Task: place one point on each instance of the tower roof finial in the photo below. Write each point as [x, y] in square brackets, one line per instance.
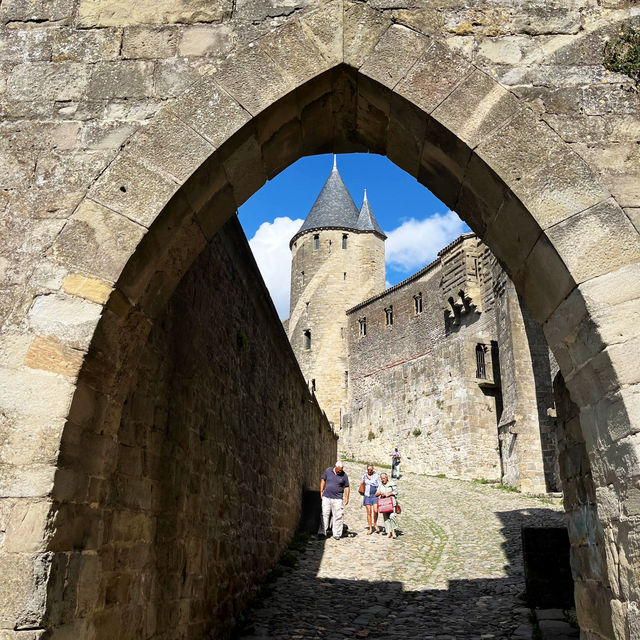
[335, 162]
[365, 194]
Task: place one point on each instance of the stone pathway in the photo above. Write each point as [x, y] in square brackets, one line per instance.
[454, 572]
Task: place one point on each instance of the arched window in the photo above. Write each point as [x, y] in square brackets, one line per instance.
[388, 316]
[481, 371]
[362, 327]
[307, 339]
[344, 240]
[417, 303]
[316, 241]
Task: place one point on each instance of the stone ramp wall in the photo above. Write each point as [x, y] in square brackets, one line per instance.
[218, 437]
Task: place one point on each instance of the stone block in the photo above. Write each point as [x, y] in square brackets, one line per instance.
[593, 607]
[85, 46]
[610, 241]
[434, 76]
[543, 281]
[243, 165]
[253, 78]
[37, 11]
[150, 42]
[16, 170]
[121, 79]
[206, 40]
[208, 109]
[70, 319]
[373, 105]
[26, 530]
[405, 135]
[97, 242]
[23, 589]
[87, 288]
[325, 28]
[49, 354]
[363, 28]
[131, 189]
[61, 81]
[443, 168]
[106, 135]
[170, 147]
[95, 13]
[512, 234]
[394, 55]
[25, 46]
[477, 107]
[295, 53]
[552, 182]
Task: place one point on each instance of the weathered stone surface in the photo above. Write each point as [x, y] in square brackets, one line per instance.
[52, 355]
[363, 27]
[610, 241]
[67, 318]
[90, 45]
[107, 240]
[122, 79]
[97, 13]
[150, 42]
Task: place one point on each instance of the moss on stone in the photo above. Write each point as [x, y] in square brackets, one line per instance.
[623, 54]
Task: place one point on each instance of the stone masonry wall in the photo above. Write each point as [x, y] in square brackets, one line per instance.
[218, 437]
[413, 385]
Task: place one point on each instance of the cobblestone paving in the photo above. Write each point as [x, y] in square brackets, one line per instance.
[454, 572]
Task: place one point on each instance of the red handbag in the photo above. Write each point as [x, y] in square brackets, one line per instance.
[385, 505]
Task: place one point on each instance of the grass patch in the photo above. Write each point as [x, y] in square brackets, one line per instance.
[416, 432]
[622, 55]
[371, 436]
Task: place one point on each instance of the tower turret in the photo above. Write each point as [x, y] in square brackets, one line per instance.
[337, 261]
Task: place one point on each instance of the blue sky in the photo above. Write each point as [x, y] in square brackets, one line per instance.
[416, 222]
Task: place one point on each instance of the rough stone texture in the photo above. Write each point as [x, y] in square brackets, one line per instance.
[71, 98]
[200, 478]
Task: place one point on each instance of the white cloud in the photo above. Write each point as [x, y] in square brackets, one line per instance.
[415, 243]
[270, 246]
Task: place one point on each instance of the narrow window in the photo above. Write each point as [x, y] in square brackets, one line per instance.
[342, 333]
[481, 371]
[306, 307]
[346, 379]
[344, 241]
[313, 385]
[316, 241]
[417, 303]
[302, 275]
[388, 316]
[344, 275]
[307, 339]
[362, 327]
[329, 246]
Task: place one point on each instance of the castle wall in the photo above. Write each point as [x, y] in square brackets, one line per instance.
[526, 430]
[334, 280]
[202, 489]
[414, 385]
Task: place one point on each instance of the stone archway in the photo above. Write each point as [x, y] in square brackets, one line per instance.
[570, 249]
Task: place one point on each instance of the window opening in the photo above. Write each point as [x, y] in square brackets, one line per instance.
[302, 275]
[481, 370]
[313, 385]
[307, 339]
[417, 303]
[344, 275]
[362, 327]
[344, 241]
[346, 379]
[306, 306]
[388, 316]
[316, 241]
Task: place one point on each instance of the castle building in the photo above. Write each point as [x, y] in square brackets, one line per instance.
[447, 364]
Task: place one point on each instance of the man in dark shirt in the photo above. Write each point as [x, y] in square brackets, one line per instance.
[334, 491]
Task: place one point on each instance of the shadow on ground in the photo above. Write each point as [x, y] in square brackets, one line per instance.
[300, 605]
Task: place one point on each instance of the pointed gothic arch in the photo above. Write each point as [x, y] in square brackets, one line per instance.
[569, 248]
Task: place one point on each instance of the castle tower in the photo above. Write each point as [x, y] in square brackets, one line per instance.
[337, 262]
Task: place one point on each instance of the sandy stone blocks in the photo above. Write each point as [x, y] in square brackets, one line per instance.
[70, 319]
[208, 109]
[434, 76]
[550, 181]
[363, 27]
[206, 40]
[394, 55]
[150, 42]
[97, 242]
[60, 81]
[610, 241]
[324, 26]
[476, 108]
[405, 135]
[37, 10]
[253, 78]
[121, 79]
[91, 45]
[52, 355]
[97, 13]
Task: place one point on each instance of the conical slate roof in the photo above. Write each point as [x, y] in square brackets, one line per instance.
[334, 207]
[366, 220]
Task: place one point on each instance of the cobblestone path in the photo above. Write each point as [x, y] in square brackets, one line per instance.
[454, 572]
